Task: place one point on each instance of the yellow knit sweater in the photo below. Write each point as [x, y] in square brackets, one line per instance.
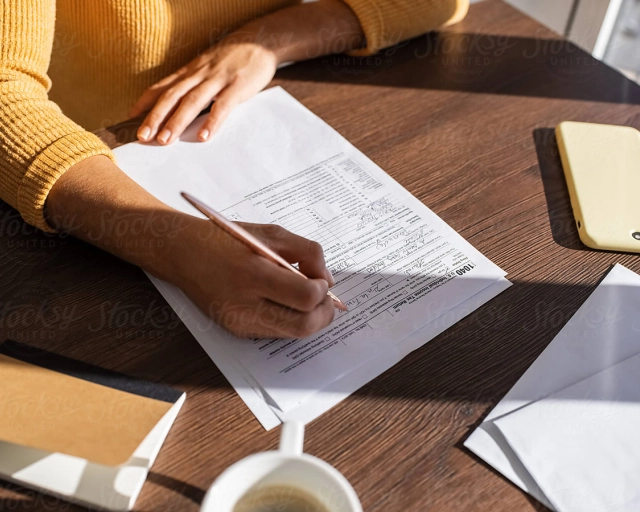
[69, 66]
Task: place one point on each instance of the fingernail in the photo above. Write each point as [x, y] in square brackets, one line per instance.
[164, 136]
[144, 133]
[204, 135]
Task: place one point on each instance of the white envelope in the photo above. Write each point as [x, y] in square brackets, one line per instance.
[581, 445]
[605, 331]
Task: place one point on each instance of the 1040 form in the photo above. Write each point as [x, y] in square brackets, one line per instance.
[402, 271]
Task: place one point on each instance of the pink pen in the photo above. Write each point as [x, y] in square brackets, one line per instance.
[247, 238]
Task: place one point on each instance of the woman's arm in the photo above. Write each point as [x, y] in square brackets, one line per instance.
[242, 64]
[47, 160]
[245, 293]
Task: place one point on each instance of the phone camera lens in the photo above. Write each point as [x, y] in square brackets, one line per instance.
[636, 235]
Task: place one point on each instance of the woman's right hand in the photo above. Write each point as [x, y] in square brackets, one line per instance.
[247, 294]
[244, 292]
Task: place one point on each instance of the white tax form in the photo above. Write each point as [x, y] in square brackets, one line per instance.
[396, 264]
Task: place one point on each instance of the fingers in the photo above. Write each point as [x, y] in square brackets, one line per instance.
[165, 104]
[175, 106]
[288, 289]
[295, 249]
[190, 106]
[250, 295]
[266, 319]
[222, 107]
[229, 73]
[149, 98]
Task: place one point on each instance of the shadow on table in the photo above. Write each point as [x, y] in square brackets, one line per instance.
[72, 298]
[478, 63]
[191, 492]
[561, 219]
[463, 62]
[114, 317]
[29, 499]
[472, 365]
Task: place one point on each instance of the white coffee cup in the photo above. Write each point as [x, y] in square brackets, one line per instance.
[286, 467]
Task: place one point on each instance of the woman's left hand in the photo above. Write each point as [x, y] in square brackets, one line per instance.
[229, 73]
[242, 64]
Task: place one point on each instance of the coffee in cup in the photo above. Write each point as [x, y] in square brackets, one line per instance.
[285, 480]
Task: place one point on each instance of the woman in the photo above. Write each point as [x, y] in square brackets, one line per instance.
[111, 59]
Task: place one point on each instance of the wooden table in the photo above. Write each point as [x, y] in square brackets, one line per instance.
[463, 120]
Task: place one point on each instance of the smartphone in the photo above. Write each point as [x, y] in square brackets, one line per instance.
[602, 167]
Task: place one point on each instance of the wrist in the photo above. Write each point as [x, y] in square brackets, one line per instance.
[96, 202]
[182, 243]
[256, 34]
[304, 31]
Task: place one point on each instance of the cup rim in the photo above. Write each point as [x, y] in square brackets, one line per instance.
[346, 486]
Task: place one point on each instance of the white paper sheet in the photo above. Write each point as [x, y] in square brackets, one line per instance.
[397, 265]
[325, 399]
[206, 332]
[603, 332]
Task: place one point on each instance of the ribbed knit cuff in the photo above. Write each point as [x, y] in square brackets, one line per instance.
[47, 168]
[386, 23]
[371, 20]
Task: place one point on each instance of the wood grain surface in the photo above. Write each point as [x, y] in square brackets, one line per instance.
[463, 119]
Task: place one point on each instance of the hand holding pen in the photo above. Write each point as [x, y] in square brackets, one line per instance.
[294, 305]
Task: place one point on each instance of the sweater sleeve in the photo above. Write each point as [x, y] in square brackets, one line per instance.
[37, 142]
[388, 22]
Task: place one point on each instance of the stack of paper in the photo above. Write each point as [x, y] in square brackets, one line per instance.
[404, 273]
[567, 432]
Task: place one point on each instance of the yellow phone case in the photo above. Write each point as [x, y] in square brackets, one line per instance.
[602, 167]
